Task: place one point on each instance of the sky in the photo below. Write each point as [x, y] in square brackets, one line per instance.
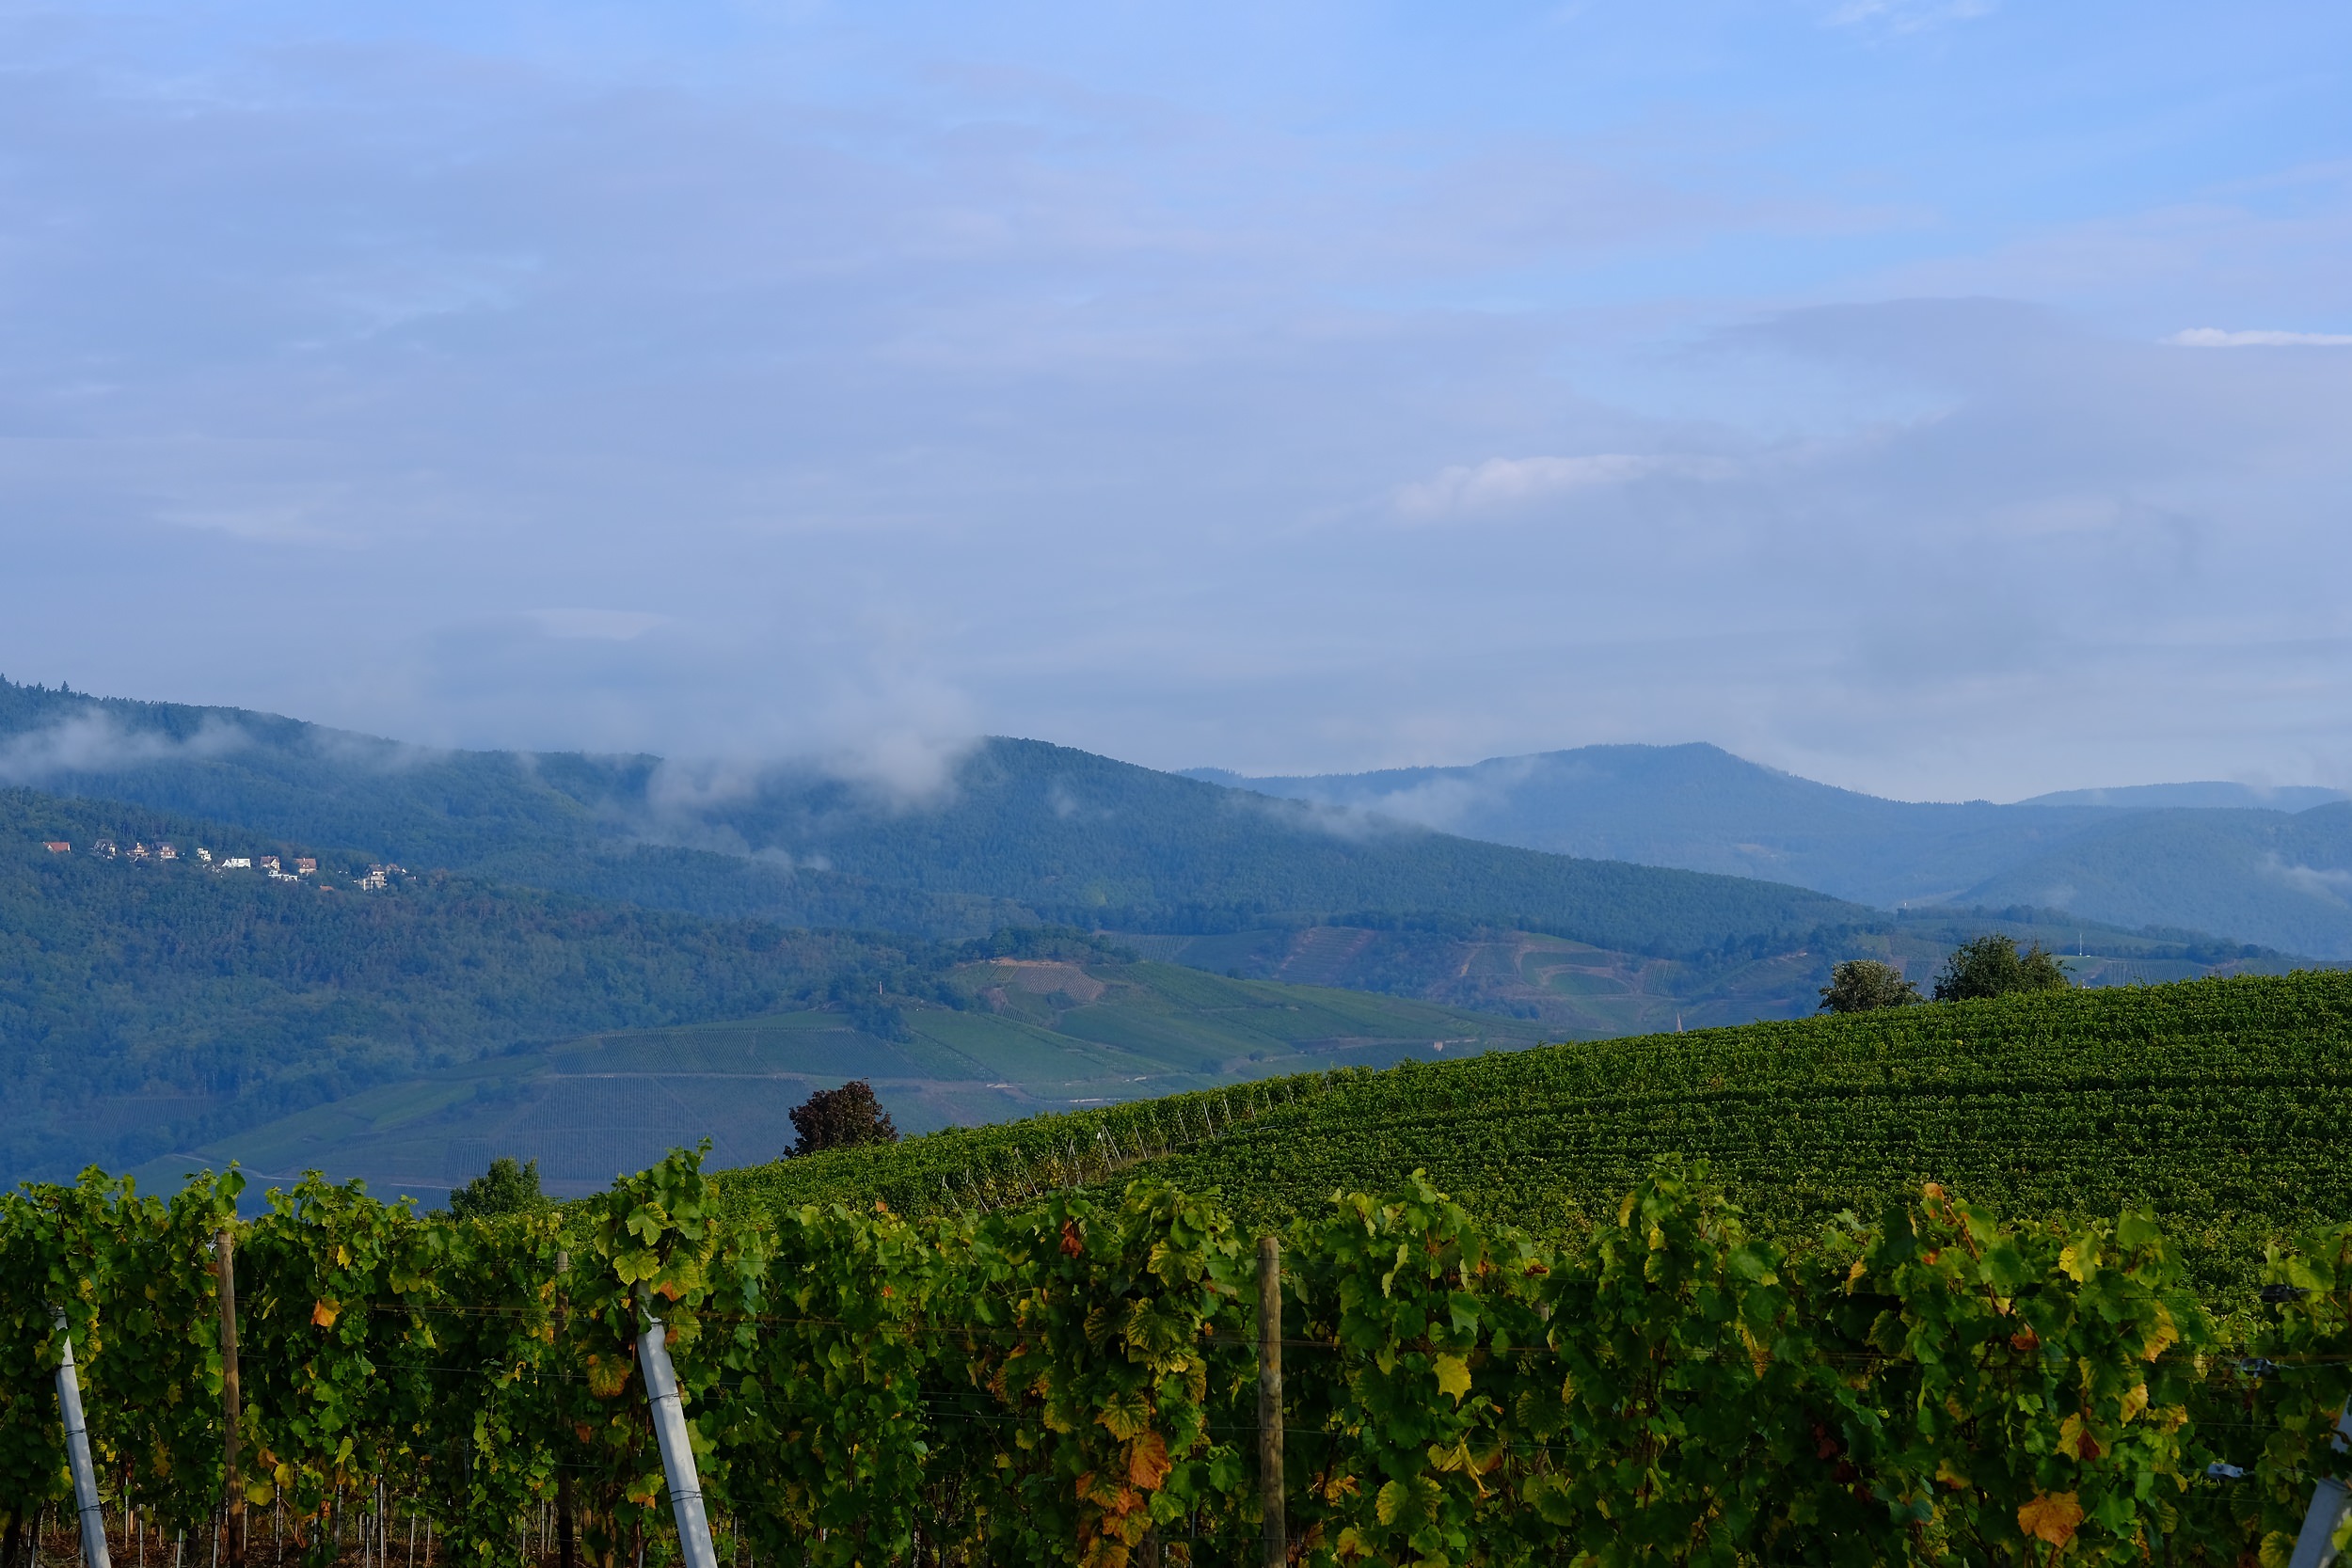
[1948, 399]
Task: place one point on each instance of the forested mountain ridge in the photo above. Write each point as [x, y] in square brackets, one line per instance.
[1700, 807]
[2269, 867]
[558, 821]
[1024, 830]
[146, 1005]
[151, 1006]
[2283, 876]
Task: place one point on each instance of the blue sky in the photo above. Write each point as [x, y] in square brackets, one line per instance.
[1942, 399]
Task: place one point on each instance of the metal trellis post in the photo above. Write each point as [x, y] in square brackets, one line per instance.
[93, 1512]
[678, 1451]
[2315, 1542]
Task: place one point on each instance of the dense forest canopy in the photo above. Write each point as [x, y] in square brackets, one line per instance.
[1021, 830]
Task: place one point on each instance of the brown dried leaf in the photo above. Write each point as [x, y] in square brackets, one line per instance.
[2053, 1519]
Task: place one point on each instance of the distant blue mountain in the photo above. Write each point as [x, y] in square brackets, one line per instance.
[2216, 794]
[1021, 831]
[2268, 866]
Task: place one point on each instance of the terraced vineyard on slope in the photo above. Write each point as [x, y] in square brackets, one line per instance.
[2221, 1105]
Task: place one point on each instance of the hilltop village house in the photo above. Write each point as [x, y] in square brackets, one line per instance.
[304, 865]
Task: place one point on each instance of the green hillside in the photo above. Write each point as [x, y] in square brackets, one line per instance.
[2268, 876]
[999, 1039]
[1083, 838]
[1699, 807]
[1023, 831]
[152, 1007]
[2264, 867]
[147, 1005]
[1581, 990]
[2219, 1104]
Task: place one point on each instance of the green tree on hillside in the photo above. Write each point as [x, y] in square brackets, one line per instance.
[1992, 966]
[1864, 985]
[505, 1188]
[842, 1119]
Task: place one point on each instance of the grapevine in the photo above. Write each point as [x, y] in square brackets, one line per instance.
[1056, 1362]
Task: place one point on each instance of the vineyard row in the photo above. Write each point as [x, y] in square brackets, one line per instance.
[1104, 1381]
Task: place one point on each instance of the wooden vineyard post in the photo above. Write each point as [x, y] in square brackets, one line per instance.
[566, 1552]
[231, 1401]
[1270, 1398]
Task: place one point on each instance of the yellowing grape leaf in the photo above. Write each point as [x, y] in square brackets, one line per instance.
[1103, 1490]
[1460, 1460]
[2135, 1401]
[1452, 1377]
[1125, 1415]
[1455, 1458]
[2162, 1334]
[1147, 1461]
[606, 1375]
[2054, 1518]
[325, 1312]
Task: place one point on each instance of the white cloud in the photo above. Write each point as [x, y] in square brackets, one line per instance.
[1352, 823]
[911, 764]
[1441, 803]
[94, 742]
[1501, 482]
[601, 626]
[2316, 880]
[1064, 352]
[2214, 337]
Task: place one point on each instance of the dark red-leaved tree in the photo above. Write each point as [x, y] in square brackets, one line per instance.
[842, 1119]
